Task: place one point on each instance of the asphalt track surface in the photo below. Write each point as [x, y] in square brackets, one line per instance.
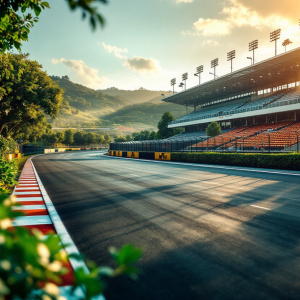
[207, 233]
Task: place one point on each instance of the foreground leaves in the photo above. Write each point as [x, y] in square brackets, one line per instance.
[31, 265]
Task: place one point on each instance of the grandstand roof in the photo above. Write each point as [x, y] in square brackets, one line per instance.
[279, 70]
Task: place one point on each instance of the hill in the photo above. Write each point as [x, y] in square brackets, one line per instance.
[137, 96]
[143, 114]
[83, 106]
[84, 98]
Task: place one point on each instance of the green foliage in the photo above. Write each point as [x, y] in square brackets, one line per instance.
[69, 137]
[16, 19]
[26, 93]
[7, 146]
[27, 261]
[163, 130]
[120, 139]
[107, 138]
[213, 129]
[60, 135]
[15, 26]
[143, 114]
[270, 161]
[83, 98]
[8, 172]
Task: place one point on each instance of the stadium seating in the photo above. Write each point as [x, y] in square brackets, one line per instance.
[242, 105]
[252, 136]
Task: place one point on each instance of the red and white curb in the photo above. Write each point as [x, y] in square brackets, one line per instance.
[41, 214]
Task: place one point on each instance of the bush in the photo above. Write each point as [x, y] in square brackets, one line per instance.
[7, 146]
[8, 172]
[213, 129]
[269, 161]
[35, 262]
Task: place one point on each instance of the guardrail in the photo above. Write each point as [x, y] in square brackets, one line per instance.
[269, 143]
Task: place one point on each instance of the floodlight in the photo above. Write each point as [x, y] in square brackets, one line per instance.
[199, 71]
[214, 64]
[184, 78]
[252, 47]
[230, 57]
[274, 36]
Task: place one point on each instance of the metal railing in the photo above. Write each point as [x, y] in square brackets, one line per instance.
[269, 142]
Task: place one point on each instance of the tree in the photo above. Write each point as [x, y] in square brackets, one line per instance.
[16, 18]
[120, 139]
[33, 130]
[60, 136]
[107, 138]
[78, 138]
[65, 77]
[51, 138]
[90, 138]
[213, 129]
[69, 137]
[26, 93]
[152, 135]
[128, 137]
[163, 130]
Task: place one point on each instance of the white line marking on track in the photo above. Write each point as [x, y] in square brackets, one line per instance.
[261, 207]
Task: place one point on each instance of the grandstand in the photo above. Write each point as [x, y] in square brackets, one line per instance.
[256, 107]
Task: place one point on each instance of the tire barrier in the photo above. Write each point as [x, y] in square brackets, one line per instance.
[162, 156]
[142, 155]
[133, 154]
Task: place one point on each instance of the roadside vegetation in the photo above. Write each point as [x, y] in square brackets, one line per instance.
[31, 265]
[289, 161]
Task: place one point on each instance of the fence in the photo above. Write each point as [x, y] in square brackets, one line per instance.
[266, 142]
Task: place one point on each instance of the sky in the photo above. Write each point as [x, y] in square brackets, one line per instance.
[146, 43]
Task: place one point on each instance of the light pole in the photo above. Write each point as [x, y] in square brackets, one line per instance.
[286, 43]
[184, 78]
[181, 85]
[252, 47]
[199, 71]
[230, 57]
[214, 63]
[173, 82]
[274, 36]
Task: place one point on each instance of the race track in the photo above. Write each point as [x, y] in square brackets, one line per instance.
[207, 233]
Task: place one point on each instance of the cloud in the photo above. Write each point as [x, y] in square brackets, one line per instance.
[115, 50]
[208, 27]
[287, 8]
[210, 43]
[142, 64]
[136, 63]
[184, 1]
[236, 14]
[88, 76]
